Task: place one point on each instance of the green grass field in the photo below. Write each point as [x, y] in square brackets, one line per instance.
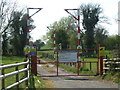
[11, 60]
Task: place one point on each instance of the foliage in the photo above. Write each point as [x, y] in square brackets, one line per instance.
[101, 36]
[13, 28]
[65, 33]
[39, 43]
[62, 38]
[113, 43]
[90, 36]
[6, 10]
[91, 15]
[112, 76]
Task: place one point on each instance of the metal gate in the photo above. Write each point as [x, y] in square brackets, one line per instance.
[49, 63]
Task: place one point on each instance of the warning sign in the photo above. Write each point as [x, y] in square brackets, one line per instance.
[33, 51]
[68, 56]
[101, 51]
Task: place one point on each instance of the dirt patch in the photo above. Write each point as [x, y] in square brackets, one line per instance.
[49, 84]
[49, 69]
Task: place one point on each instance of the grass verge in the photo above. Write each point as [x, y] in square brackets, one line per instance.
[111, 76]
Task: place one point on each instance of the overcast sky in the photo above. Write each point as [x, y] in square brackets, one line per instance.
[53, 10]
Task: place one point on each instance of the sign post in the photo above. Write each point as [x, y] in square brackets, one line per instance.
[101, 54]
[33, 53]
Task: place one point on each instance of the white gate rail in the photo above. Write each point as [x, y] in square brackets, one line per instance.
[16, 72]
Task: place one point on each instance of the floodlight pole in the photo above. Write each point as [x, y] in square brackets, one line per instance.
[28, 22]
[78, 26]
[33, 56]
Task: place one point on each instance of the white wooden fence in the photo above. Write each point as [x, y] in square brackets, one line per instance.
[111, 64]
[16, 72]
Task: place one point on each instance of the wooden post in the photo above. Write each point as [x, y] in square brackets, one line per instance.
[78, 66]
[3, 80]
[90, 66]
[33, 54]
[17, 76]
[97, 69]
[38, 61]
[57, 63]
[100, 60]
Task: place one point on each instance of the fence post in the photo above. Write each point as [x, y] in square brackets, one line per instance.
[17, 76]
[26, 73]
[90, 66]
[3, 80]
[33, 53]
[78, 66]
[101, 58]
[97, 69]
[57, 63]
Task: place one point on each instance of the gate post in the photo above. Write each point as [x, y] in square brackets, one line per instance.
[33, 53]
[57, 63]
[101, 54]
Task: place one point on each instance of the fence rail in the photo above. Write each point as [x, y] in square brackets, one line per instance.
[16, 72]
[111, 64]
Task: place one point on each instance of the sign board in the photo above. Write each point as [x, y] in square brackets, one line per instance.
[101, 51]
[33, 51]
[68, 56]
[26, 49]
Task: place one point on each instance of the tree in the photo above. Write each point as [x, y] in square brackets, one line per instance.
[91, 14]
[62, 38]
[19, 32]
[101, 36]
[6, 11]
[66, 33]
[39, 43]
[111, 42]
[118, 45]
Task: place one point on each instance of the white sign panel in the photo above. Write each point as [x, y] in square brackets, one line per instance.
[68, 56]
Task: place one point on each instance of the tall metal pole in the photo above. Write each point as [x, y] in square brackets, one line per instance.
[28, 23]
[78, 26]
[78, 47]
[32, 53]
